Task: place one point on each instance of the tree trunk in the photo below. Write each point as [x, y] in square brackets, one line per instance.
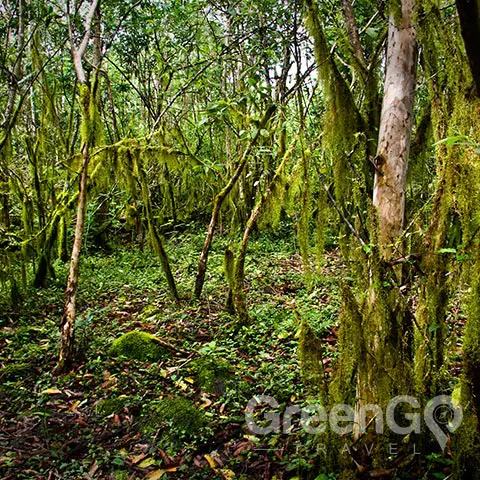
[395, 128]
[68, 319]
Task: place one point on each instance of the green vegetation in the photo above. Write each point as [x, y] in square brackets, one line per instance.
[218, 217]
[154, 403]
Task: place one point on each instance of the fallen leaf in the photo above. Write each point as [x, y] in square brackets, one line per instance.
[139, 457]
[147, 463]
[210, 461]
[52, 391]
[93, 469]
[155, 475]
[243, 447]
[227, 474]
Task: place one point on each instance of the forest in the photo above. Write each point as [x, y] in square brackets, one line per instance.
[239, 239]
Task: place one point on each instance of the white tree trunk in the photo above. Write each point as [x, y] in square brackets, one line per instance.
[395, 127]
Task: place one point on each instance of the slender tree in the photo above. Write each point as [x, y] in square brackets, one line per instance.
[89, 114]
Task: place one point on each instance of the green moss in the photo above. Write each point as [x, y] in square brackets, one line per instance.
[311, 361]
[466, 440]
[178, 416]
[107, 406]
[138, 345]
[15, 371]
[211, 374]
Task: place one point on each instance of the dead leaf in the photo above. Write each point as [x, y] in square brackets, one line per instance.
[52, 391]
[93, 468]
[155, 475]
[227, 474]
[210, 461]
[139, 457]
[243, 447]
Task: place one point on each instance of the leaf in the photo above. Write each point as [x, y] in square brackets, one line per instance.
[139, 457]
[447, 250]
[227, 474]
[147, 463]
[155, 475]
[264, 132]
[52, 391]
[93, 468]
[433, 327]
[210, 461]
[449, 141]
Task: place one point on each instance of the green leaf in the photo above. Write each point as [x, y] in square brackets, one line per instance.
[447, 250]
[449, 141]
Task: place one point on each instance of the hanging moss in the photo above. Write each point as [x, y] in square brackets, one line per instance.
[303, 225]
[352, 351]
[321, 215]
[342, 122]
[454, 216]
[138, 345]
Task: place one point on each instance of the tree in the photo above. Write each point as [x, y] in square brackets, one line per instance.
[88, 93]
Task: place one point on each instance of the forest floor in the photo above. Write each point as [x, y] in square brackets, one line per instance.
[107, 419]
[62, 427]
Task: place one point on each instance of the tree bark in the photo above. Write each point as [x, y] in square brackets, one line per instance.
[395, 128]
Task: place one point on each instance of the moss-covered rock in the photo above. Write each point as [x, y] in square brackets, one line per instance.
[177, 416]
[212, 374]
[15, 371]
[138, 345]
[107, 406]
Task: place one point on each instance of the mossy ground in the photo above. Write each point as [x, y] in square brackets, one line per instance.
[175, 417]
[139, 346]
[212, 374]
